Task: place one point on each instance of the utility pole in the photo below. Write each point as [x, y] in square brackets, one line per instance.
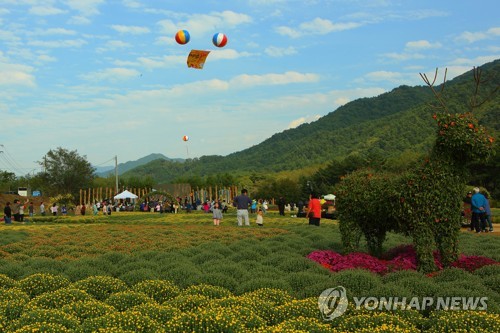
[116, 173]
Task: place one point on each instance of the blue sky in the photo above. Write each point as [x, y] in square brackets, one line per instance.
[106, 77]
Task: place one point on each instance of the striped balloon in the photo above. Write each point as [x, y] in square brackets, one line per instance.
[219, 39]
[182, 37]
[185, 138]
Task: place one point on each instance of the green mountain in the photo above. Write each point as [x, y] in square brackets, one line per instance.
[389, 125]
[124, 167]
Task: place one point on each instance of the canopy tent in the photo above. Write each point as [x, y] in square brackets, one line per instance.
[329, 197]
[125, 195]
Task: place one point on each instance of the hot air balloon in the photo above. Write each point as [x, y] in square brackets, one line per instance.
[185, 138]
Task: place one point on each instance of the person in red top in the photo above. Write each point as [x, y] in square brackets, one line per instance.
[314, 210]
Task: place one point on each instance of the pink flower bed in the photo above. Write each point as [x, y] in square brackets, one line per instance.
[399, 258]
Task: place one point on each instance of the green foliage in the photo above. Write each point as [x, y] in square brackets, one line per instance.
[88, 309]
[66, 172]
[129, 321]
[57, 299]
[101, 287]
[40, 283]
[463, 321]
[127, 299]
[208, 291]
[160, 290]
[47, 316]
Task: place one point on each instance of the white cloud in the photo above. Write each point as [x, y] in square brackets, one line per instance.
[280, 51]
[128, 29]
[111, 74]
[45, 10]
[16, 75]
[69, 43]
[302, 120]
[472, 37]
[246, 80]
[201, 24]
[422, 44]
[113, 45]
[132, 4]
[393, 77]
[318, 26]
[403, 56]
[54, 31]
[85, 7]
[79, 20]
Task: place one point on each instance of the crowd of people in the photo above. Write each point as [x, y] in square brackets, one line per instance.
[476, 209]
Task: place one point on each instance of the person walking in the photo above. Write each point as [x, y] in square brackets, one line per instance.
[42, 209]
[216, 214]
[7, 213]
[281, 206]
[314, 210]
[241, 202]
[260, 218]
[31, 209]
[487, 210]
[478, 203]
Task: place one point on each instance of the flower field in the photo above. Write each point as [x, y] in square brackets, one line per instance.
[143, 272]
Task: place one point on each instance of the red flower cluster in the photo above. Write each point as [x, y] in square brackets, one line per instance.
[402, 257]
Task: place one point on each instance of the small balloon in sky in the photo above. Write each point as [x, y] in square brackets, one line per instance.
[185, 138]
[219, 39]
[182, 37]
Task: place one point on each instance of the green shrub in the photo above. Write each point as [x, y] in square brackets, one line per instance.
[14, 270]
[129, 321]
[295, 264]
[57, 299]
[49, 316]
[135, 276]
[100, 287]
[160, 290]
[220, 279]
[373, 322]
[208, 291]
[186, 302]
[455, 274]
[486, 271]
[44, 327]
[127, 299]
[88, 309]
[257, 283]
[77, 271]
[183, 275]
[206, 320]
[206, 257]
[12, 303]
[304, 324]
[159, 313]
[6, 282]
[305, 308]
[273, 295]
[463, 321]
[357, 281]
[40, 283]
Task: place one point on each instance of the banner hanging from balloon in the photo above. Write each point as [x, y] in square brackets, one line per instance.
[196, 58]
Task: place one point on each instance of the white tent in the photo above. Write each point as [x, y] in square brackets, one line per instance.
[125, 195]
[329, 197]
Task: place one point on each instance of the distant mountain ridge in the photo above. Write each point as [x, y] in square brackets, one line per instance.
[387, 125]
[129, 165]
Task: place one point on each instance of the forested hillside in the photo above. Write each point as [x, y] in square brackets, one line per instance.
[387, 125]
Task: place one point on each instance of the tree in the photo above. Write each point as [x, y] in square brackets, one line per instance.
[66, 172]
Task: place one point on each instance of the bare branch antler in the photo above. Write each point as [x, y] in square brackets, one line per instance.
[477, 80]
[438, 95]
